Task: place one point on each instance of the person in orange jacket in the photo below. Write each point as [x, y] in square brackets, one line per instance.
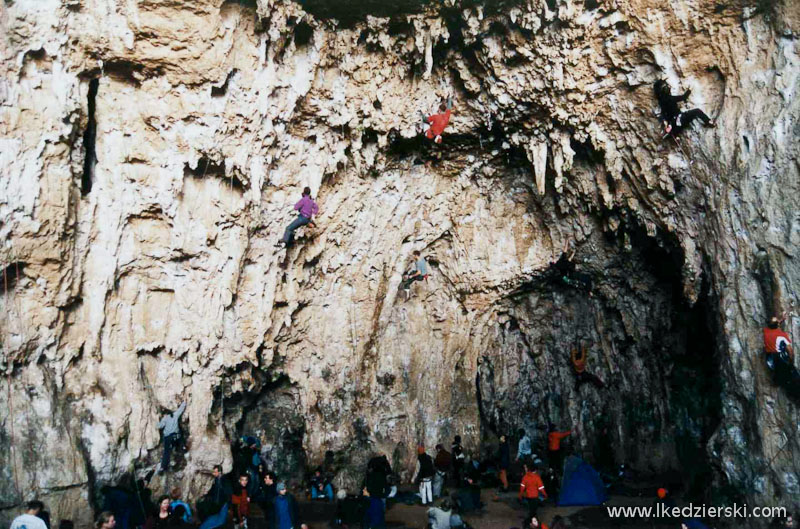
[437, 122]
[579, 365]
[531, 490]
[554, 452]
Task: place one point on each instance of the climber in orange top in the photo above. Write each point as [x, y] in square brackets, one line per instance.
[579, 365]
[554, 453]
[438, 122]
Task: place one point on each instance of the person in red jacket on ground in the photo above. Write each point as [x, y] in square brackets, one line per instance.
[531, 490]
[438, 122]
[554, 453]
[241, 502]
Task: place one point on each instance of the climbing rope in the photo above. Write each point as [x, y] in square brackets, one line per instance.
[10, 398]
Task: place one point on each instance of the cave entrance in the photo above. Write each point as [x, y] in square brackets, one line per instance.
[657, 354]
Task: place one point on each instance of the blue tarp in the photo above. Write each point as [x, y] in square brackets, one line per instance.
[581, 484]
[217, 520]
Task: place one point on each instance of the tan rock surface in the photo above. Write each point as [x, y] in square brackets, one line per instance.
[161, 283]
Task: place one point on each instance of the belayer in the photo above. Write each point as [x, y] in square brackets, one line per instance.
[307, 208]
[436, 123]
[672, 119]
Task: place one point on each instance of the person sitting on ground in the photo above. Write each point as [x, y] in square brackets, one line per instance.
[105, 520]
[456, 522]
[374, 511]
[524, 446]
[672, 119]
[436, 123]
[307, 209]
[321, 487]
[579, 366]
[241, 501]
[555, 453]
[418, 273]
[29, 519]
[284, 509]
[441, 463]
[160, 518]
[170, 426]
[531, 491]
[503, 462]
[439, 517]
[468, 497]
[175, 496]
[532, 522]
[458, 458]
[424, 471]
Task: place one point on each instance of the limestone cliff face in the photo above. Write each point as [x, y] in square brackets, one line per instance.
[151, 153]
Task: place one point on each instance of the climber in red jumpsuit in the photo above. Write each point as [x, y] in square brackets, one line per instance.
[438, 122]
[780, 355]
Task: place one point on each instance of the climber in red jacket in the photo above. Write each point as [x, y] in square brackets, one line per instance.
[780, 355]
[437, 122]
[554, 451]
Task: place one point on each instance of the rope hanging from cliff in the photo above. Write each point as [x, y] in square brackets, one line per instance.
[10, 398]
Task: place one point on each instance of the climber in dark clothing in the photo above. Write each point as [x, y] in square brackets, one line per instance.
[436, 123]
[378, 472]
[218, 495]
[564, 271]
[307, 209]
[672, 119]
[579, 365]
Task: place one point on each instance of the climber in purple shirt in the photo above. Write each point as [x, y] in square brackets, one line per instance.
[307, 208]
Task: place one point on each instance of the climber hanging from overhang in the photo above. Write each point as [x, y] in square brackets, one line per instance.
[307, 208]
[579, 366]
[673, 120]
[435, 124]
[780, 355]
[564, 271]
